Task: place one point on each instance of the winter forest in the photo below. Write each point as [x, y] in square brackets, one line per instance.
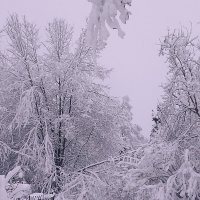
[64, 136]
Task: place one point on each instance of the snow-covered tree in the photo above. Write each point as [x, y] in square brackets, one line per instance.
[56, 115]
[162, 172]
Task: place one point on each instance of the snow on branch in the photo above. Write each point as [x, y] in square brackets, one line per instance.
[185, 183]
[81, 186]
[25, 108]
[49, 154]
[5, 151]
[104, 13]
[12, 173]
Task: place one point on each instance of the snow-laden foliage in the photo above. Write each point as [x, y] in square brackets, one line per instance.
[82, 186]
[57, 116]
[185, 183]
[104, 14]
[154, 192]
[10, 186]
[102, 180]
[157, 183]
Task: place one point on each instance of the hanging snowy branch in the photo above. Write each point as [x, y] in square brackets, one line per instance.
[103, 14]
[25, 108]
[185, 183]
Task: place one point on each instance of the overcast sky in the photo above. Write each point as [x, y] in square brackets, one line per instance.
[138, 71]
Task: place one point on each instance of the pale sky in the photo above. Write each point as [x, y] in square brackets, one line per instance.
[138, 71]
